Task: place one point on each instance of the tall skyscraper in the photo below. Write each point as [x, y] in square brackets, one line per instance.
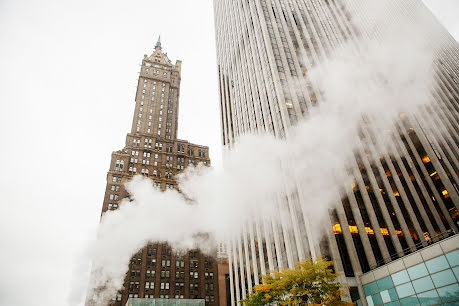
[400, 201]
[153, 150]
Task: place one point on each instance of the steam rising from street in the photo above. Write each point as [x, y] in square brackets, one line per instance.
[381, 79]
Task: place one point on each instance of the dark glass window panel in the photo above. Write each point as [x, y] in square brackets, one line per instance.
[385, 283]
[370, 288]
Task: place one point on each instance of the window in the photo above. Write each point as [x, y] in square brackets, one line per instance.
[149, 285]
[165, 286]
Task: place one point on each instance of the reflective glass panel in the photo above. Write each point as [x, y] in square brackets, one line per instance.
[395, 303]
[405, 290]
[370, 301]
[409, 301]
[385, 296]
[428, 298]
[400, 277]
[423, 284]
[370, 288]
[456, 272]
[393, 294]
[385, 283]
[443, 278]
[437, 264]
[389, 295]
[417, 271]
[377, 299]
[449, 293]
[453, 258]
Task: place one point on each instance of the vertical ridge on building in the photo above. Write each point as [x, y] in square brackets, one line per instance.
[398, 203]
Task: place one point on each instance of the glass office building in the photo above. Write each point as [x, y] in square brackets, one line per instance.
[427, 277]
[400, 201]
[165, 302]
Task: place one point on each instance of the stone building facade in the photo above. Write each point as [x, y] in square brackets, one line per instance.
[153, 150]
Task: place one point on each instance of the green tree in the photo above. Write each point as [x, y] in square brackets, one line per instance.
[312, 282]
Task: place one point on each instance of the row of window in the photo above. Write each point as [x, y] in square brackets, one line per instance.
[165, 286]
[168, 147]
[119, 296]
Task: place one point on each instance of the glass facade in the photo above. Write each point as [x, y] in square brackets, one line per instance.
[165, 302]
[433, 282]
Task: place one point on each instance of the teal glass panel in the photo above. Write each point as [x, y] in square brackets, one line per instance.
[409, 301]
[370, 288]
[437, 264]
[385, 296]
[393, 294]
[456, 303]
[456, 272]
[443, 278]
[400, 277]
[405, 290]
[417, 271]
[377, 299]
[453, 258]
[389, 295]
[449, 293]
[370, 301]
[423, 284]
[385, 283]
[428, 298]
[395, 303]
[359, 303]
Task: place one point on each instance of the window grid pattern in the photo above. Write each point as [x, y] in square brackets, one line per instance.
[433, 282]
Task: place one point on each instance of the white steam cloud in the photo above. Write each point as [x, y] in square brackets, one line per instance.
[384, 77]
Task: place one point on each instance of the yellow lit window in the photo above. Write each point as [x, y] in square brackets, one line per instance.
[427, 236]
[396, 193]
[384, 231]
[337, 228]
[433, 173]
[353, 185]
[399, 232]
[353, 229]
[445, 193]
[369, 230]
[426, 159]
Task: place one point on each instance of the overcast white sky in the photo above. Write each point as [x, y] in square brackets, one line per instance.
[68, 74]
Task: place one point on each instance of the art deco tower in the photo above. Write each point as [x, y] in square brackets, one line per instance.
[153, 150]
[399, 202]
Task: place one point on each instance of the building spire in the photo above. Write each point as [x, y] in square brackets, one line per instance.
[158, 43]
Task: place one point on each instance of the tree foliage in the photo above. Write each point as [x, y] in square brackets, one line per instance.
[312, 282]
